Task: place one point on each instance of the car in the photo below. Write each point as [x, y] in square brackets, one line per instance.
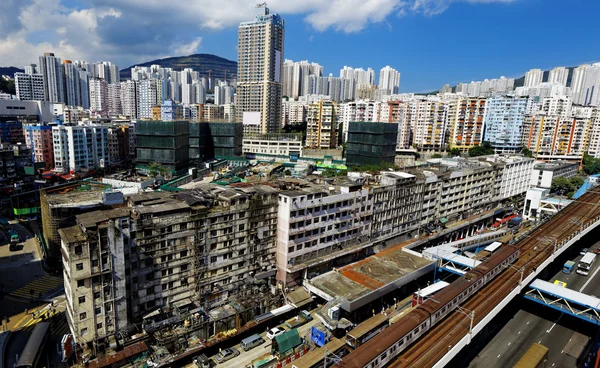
[597, 250]
[560, 283]
[275, 331]
[226, 354]
[202, 361]
[583, 251]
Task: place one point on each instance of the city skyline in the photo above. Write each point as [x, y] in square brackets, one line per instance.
[399, 35]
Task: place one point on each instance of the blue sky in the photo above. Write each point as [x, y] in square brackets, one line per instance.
[431, 42]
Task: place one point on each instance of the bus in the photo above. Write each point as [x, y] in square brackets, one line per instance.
[367, 330]
[33, 354]
[501, 221]
[535, 357]
[420, 296]
[586, 263]
[568, 267]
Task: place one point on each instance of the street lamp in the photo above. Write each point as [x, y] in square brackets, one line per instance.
[521, 270]
[471, 315]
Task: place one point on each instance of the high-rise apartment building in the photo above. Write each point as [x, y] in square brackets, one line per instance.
[504, 120]
[590, 94]
[114, 99]
[533, 77]
[29, 87]
[465, 122]
[559, 75]
[99, 96]
[260, 63]
[321, 125]
[72, 84]
[52, 70]
[38, 138]
[389, 79]
[80, 148]
[129, 103]
[427, 119]
[147, 97]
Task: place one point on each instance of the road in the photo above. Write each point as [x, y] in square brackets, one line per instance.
[246, 357]
[529, 326]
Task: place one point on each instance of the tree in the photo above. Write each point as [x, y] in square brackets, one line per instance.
[454, 152]
[155, 169]
[526, 152]
[591, 165]
[481, 150]
[436, 155]
[566, 186]
[287, 172]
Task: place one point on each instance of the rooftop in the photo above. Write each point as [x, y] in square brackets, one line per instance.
[357, 280]
[82, 196]
[554, 165]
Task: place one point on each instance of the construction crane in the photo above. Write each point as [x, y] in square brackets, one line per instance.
[264, 6]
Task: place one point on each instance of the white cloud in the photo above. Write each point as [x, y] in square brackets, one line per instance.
[187, 48]
[129, 31]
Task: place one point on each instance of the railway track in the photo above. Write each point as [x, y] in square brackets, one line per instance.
[535, 249]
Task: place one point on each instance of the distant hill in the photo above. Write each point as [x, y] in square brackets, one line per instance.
[201, 63]
[10, 71]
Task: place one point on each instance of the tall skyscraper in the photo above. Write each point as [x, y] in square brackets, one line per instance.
[99, 96]
[260, 63]
[389, 79]
[52, 70]
[129, 98]
[559, 75]
[533, 77]
[72, 84]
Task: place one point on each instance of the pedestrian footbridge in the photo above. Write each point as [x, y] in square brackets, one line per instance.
[580, 305]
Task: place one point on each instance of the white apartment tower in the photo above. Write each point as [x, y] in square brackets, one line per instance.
[260, 63]
[559, 75]
[128, 93]
[99, 96]
[72, 84]
[80, 148]
[533, 77]
[389, 79]
[147, 97]
[51, 68]
[29, 87]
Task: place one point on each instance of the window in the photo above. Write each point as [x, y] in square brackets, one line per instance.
[79, 266]
[99, 326]
[82, 316]
[81, 299]
[80, 283]
[84, 331]
[97, 295]
[78, 249]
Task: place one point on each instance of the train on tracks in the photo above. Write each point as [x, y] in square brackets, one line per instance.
[385, 347]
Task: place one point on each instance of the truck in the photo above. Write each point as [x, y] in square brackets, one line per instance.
[302, 318]
[568, 267]
[515, 222]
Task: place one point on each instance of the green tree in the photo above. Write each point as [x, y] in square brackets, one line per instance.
[481, 150]
[591, 165]
[454, 152]
[561, 185]
[155, 169]
[526, 152]
[287, 172]
[436, 155]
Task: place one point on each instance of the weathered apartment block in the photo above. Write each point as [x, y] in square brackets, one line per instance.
[212, 248]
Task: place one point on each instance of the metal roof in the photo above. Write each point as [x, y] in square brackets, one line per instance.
[567, 294]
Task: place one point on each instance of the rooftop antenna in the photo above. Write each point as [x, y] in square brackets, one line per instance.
[263, 5]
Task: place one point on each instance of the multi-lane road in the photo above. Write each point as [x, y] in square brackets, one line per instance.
[535, 323]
